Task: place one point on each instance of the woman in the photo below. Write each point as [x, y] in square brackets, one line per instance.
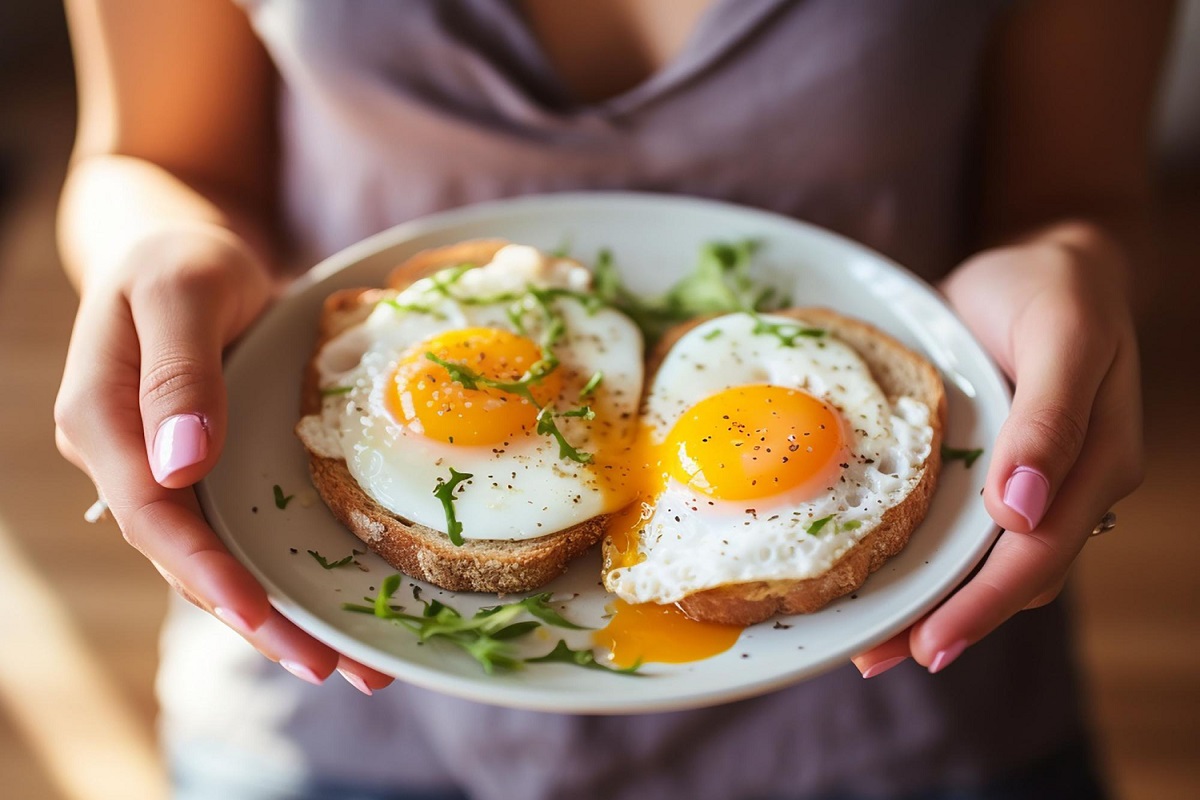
[998, 145]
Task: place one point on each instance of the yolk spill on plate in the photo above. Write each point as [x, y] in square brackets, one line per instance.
[649, 632]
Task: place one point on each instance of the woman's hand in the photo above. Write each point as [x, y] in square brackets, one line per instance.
[142, 409]
[1054, 313]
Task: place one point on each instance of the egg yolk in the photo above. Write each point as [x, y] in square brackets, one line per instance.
[754, 441]
[426, 398]
[743, 443]
[661, 633]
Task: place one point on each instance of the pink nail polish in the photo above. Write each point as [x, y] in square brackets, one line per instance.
[883, 666]
[946, 657]
[1026, 493]
[179, 442]
[233, 620]
[302, 672]
[356, 682]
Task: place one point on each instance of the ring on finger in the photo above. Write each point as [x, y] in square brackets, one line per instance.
[1106, 524]
[97, 511]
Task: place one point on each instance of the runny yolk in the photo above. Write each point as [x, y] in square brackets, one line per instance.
[424, 397]
[754, 441]
[745, 443]
[661, 633]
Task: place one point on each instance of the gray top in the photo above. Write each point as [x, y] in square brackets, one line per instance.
[854, 115]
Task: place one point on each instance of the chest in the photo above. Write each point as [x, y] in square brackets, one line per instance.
[603, 48]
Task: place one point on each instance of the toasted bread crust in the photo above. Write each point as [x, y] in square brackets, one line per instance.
[418, 551]
[898, 371]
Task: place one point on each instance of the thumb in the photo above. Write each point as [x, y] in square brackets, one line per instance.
[1058, 368]
[180, 326]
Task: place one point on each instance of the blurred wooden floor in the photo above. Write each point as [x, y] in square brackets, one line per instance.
[79, 610]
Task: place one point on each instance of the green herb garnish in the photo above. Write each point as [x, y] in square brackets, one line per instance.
[786, 332]
[416, 308]
[590, 301]
[486, 635]
[443, 279]
[333, 391]
[816, 525]
[539, 606]
[555, 325]
[516, 316]
[470, 379]
[719, 284]
[714, 333]
[281, 502]
[851, 525]
[386, 589]
[591, 386]
[968, 457]
[327, 564]
[562, 654]
[546, 424]
[445, 492]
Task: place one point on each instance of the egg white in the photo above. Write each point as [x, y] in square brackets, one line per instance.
[690, 542]
[521, 489]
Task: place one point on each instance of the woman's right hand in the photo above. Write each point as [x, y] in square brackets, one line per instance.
[142, 409]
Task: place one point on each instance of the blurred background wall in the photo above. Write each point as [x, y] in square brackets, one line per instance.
[79, 609]
[27, 27]
[1179, 117]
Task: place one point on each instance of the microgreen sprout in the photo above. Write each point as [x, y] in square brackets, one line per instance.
[445, 492]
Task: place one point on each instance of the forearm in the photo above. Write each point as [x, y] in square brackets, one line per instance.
[111, 204]
[1069, 89]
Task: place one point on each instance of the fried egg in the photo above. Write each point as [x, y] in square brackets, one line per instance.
[432, 381]
[767, 452]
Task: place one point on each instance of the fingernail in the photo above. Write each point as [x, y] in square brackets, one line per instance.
[945, 658]
[302, 672]
[356, 682]
[233, 620]
[179, 442]
[1026, 493]
[883, 666]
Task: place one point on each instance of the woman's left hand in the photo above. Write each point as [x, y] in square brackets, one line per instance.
[1054, 313]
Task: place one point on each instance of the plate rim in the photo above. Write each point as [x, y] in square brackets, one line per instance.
[516, 695]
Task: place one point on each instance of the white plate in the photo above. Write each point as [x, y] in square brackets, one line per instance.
[655, 240]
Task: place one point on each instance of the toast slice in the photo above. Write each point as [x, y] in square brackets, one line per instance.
[418, 551]
[899, 372]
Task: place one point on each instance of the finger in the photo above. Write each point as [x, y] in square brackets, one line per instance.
[1024, 570]
[297, 652]
[104, 429]
[180, 323]
[170, 531]
[1059, 366]
[882, 657]
[98, 363]
[307, 658]
[361, 677]
[283, 642]
[166, 525]
[1047, 596]
[68, 451]
[1016, 573]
